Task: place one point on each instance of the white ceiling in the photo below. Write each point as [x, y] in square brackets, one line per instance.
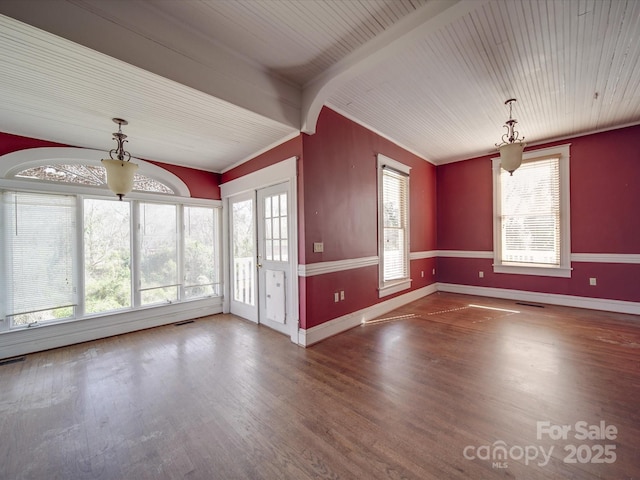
[211, 83]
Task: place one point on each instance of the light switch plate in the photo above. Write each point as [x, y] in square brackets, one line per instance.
[318, 247]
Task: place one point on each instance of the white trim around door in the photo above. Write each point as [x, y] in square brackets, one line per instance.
[281, 172]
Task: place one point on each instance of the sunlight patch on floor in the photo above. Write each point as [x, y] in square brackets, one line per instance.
[494, 308]
[388, 319]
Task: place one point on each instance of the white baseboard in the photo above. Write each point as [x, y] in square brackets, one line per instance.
[337, 325]
[618, 306]
[22, 342]
[29, 340]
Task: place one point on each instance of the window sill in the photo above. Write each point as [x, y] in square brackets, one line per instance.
[524, 269]
[123, 315]
[27, 340]
[395, 287]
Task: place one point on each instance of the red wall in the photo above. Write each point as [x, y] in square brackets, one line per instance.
[605, 197]
[340, 210]
[201, 184]
[337, 193]
[291, 148]
[605, 192]
[12, 143]
[337, 205]
[465, 205]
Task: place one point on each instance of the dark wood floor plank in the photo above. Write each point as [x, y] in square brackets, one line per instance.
[397, 398]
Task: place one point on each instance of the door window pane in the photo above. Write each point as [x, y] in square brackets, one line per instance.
[243, 245]
[275, 231]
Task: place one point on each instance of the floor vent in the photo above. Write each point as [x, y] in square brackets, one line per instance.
[8, 361]
[530, 304]
[183, 323]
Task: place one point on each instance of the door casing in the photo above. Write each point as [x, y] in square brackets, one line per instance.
[281, 172]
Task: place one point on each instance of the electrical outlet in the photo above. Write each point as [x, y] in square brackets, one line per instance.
[593, 281]
[336, 297]
[318, 247]
[481, 274]
[422, 273]
[341, 294]
[433, 272]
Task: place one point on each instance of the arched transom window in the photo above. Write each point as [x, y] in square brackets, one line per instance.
[91, 175]
[82, 167]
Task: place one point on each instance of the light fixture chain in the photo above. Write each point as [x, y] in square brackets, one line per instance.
[120, 171]
[512, 145]
[121, 139]
[512, 134]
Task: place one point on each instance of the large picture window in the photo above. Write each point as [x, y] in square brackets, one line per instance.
[67, 253]
[531, 221]
[393, 225]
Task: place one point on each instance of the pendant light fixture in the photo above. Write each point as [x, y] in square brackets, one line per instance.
[120, 170]
[512, 146]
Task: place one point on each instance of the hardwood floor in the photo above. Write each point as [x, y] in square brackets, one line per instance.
[427, 392]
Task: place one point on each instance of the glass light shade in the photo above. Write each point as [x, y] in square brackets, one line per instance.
[119, 175]
[511, 156]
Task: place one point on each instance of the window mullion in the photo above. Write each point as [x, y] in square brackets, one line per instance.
[79, 259]
[135, 253]
[180, 254]
[4, 273]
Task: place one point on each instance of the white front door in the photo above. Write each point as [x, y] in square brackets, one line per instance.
[261, 254]
[274, 259]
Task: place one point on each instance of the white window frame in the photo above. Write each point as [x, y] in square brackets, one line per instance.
[17, 161]
[396, 285]
[562, 152]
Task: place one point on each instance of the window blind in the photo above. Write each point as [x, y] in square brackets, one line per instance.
[530, 213]
[40, 242]
[394, 198]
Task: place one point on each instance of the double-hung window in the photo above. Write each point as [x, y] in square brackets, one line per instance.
[393, 226]
[531, 215]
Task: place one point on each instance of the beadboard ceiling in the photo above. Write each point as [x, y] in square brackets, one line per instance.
[211, 83]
